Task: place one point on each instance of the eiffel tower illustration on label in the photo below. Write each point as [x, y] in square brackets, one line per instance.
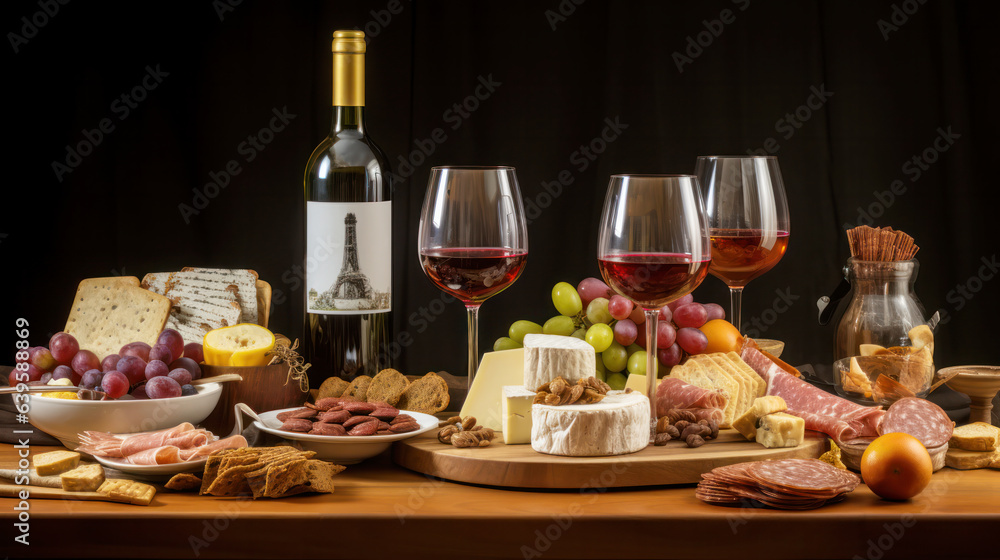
[352, 290]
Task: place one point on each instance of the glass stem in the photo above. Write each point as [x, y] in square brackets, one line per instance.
[473, 311]
[736, 307]
[652, 316]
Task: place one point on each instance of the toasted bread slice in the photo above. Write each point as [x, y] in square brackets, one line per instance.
[978, 436]
[429, 395]
[961, 459]
[358, 388]
[333, 386]
[388, 386]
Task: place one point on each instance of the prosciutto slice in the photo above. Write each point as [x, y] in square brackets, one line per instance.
[674, 393]
[181, 443]
[156, 456]
[231, 442]
[149, 440]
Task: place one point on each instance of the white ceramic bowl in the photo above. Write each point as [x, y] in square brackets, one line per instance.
[65, 418]
[344, 450]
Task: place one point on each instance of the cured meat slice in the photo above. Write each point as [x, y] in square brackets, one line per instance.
[921, 419]
[674, 393]
[844, 419]
[810, 476]
[156, 456]
[839, 430]
[141, 442]
[785, 484]
[231, 442]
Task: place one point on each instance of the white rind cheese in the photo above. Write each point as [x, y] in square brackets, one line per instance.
[548, 356]
[617, 425]
[515, 406]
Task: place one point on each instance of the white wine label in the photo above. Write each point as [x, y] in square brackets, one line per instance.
[348, 264]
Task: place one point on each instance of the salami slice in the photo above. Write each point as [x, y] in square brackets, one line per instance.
[809, 475]
[674, 393]
[921, 419]
[844, 419]
[785, 484]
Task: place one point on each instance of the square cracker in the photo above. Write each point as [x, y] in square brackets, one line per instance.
[108, 313]
[135, 492]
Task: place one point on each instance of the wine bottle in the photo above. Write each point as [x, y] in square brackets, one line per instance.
[348, 269]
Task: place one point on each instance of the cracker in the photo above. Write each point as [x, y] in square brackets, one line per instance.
[332, 387]
[135, 492]
[429, 395]
[388, 386]
[108, 313]
[182, 482]
[358, 388]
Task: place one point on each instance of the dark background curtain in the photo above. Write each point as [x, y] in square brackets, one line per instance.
[851, 96]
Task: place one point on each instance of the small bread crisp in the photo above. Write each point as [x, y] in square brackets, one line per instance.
[183, 482]
[358, 388]
[333, 386]
[429, 395]
[135, 492]
[108, 313]
[388, 386]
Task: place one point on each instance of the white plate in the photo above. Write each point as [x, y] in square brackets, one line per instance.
[343, 449]
[169, 469]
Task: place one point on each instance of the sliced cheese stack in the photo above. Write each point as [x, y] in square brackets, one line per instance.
[727, 373]
[548, 356]
[617, 425]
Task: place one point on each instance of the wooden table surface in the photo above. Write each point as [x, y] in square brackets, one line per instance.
[380, 510]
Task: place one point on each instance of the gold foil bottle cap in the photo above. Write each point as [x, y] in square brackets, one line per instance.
[349, 41]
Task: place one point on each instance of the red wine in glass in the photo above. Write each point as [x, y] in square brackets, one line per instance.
[653, 279]
[740, 255]
[473, 274]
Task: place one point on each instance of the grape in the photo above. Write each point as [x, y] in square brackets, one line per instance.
[63, 347]
[133, 367]
[140, 392]
[41, 358]
[591, 288]
[616, 381]
[665, 335]
[692, 340]
[560, 325]
[520, 328]
[637, 363]
[638, 315]
[597, 311]
[23, 356]
[172, 340]
[45, 378]
[620, 307]
[84, 361]
[188, 390]
[194, 351]
[110, 362]
[137, 349]
[62, 372]
[504, 343]
[684, 300]
[163, 388]
[633, 348]
[615, 358]
[715, 311]
[666, 314]
[181, 376]
[669, 356]
[691, 315]
[600, 336]
[566, 299]
[91, 379]
[188, 364]
[626, 332]
[126, 397]
[580, 333]
[161, 353]
[156, 368]
[114, 383]
[640, 337]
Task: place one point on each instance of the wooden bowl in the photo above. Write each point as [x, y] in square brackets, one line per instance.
[263, 388]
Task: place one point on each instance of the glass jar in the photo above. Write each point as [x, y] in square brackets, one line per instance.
[880, 334]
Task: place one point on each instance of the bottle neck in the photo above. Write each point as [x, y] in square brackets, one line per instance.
[347, 119]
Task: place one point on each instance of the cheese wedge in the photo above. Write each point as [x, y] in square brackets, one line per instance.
[496, 370]
[548, 356]
[638, 382]
[85, 478]
[516, 410]
[762, 406]
[781, 430]
[55, 462]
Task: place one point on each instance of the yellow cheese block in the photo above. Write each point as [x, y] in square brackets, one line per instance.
[496, 370]
[638, 382]
[747, 423]
[781, 430]
[85, 478]
[55, 462]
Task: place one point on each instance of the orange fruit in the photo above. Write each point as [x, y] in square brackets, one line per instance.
[722, 336]
[896, 466]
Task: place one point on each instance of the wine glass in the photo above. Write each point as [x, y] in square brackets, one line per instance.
[653, 248]
[747, 218]
[473, 240]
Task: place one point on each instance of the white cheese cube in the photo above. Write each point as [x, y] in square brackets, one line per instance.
[515, 407]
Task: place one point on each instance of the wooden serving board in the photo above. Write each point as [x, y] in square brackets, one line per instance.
[8, 490]
[518, 466]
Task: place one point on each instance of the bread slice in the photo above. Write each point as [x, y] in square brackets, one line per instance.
[333, 386]
[263, 303]
[429, 395]
[978, 436]
[244, 280]
[358, 388]
[961, 459]
[108, 313]
[387, 386]
[760, 386]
